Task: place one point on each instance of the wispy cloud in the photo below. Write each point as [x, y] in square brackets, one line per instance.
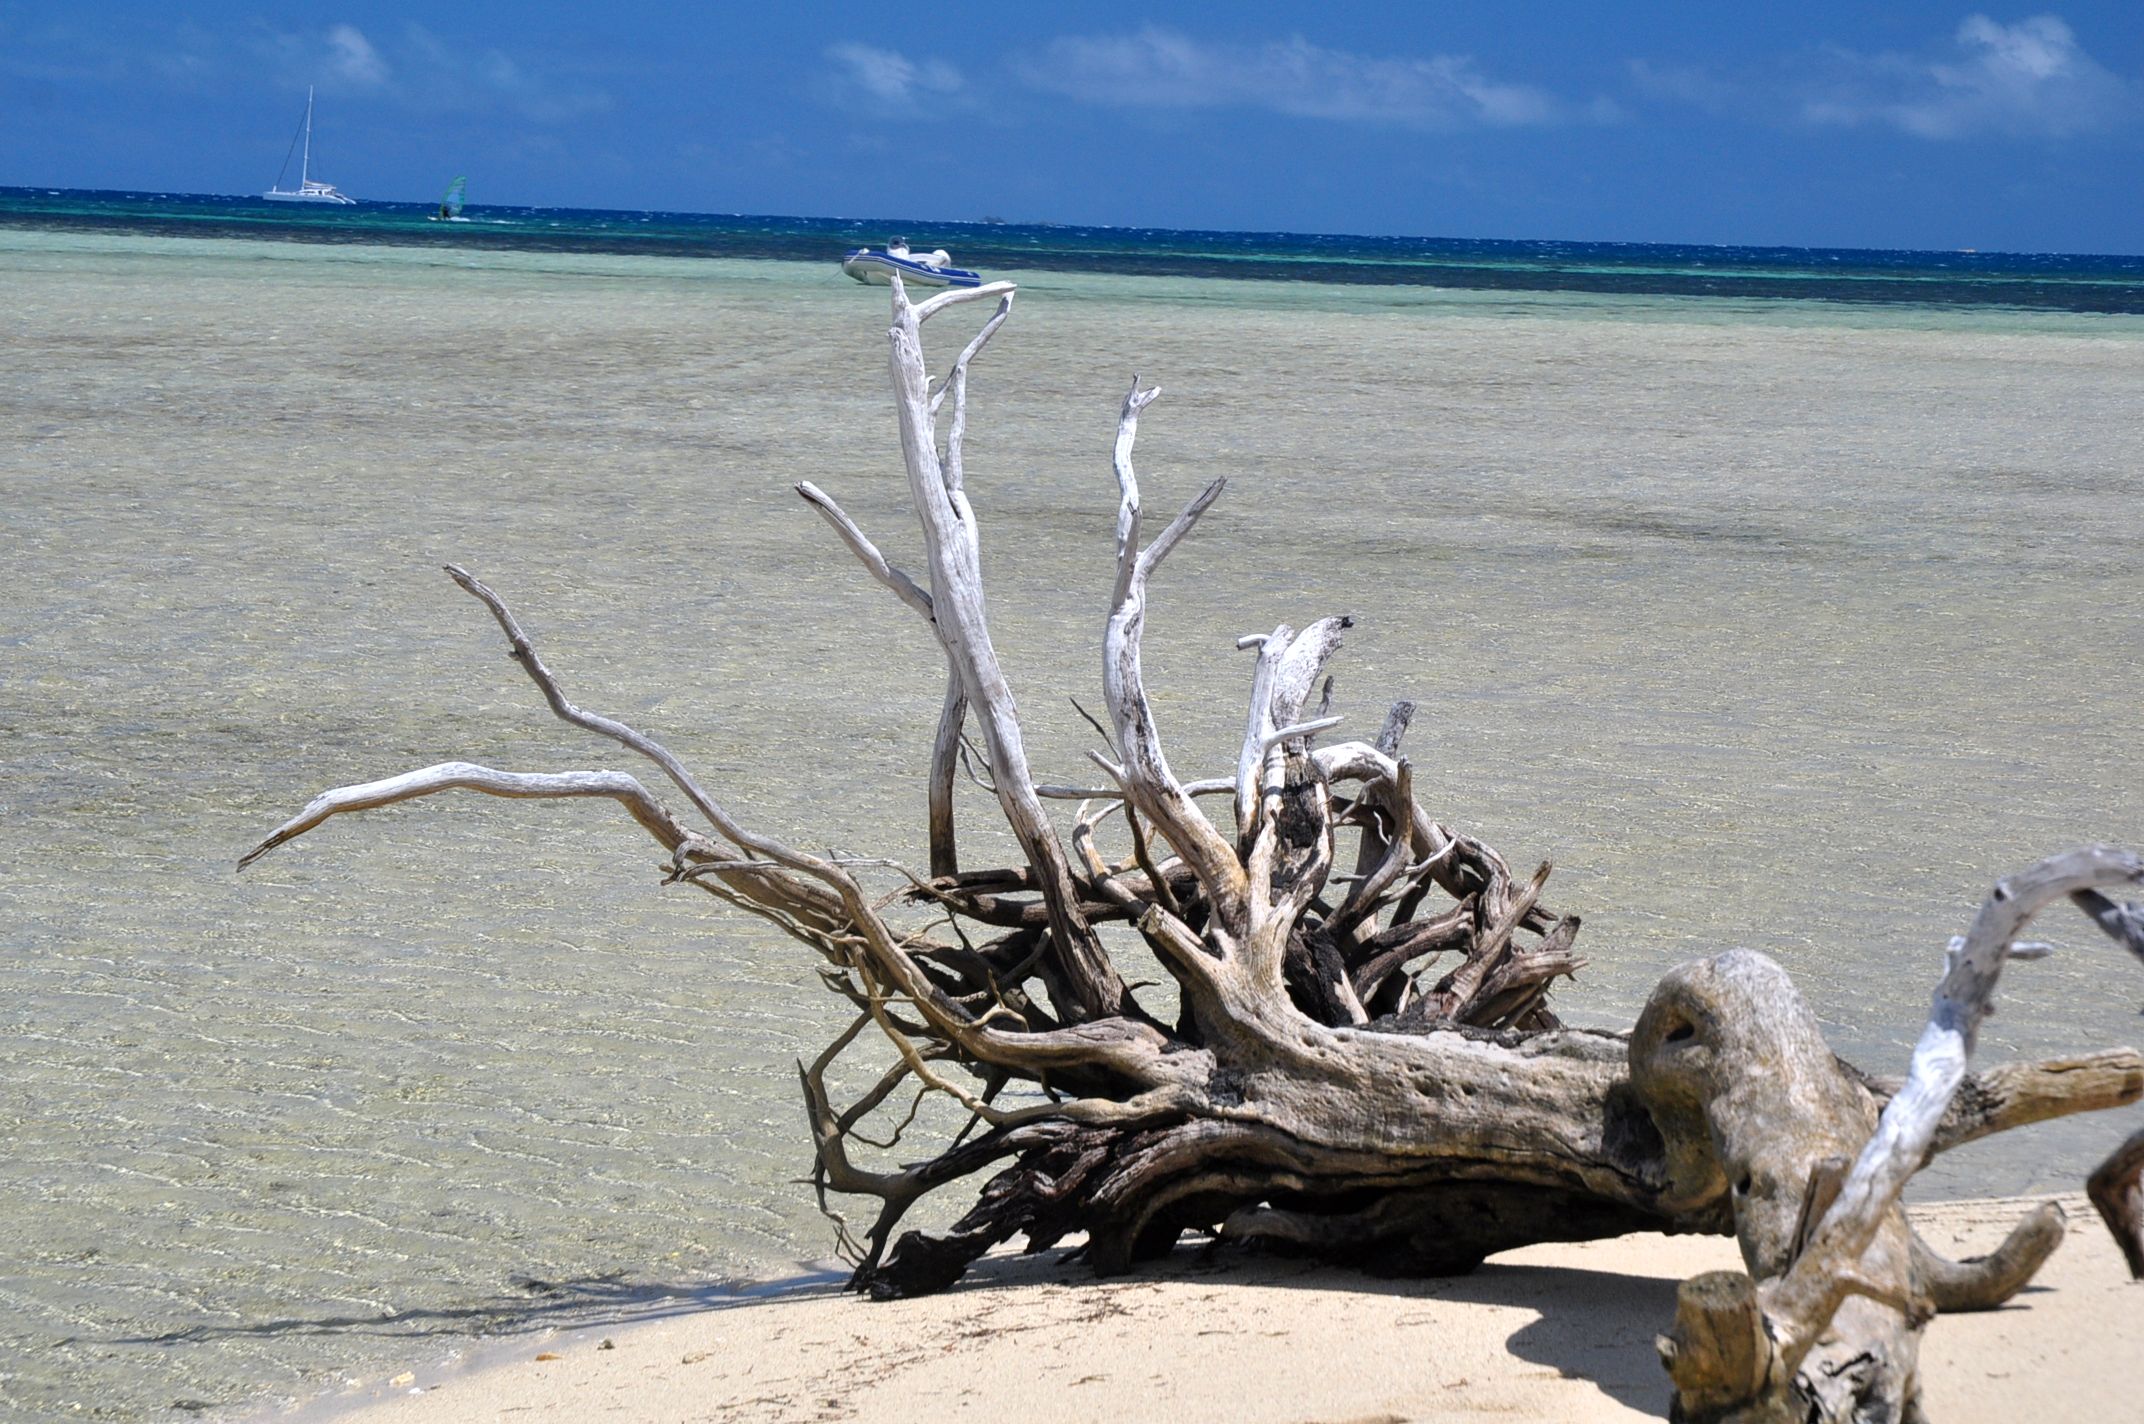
[409, 69]
[1689, 84]
[2030, 78]
[66, 49]
[416, 69]
[884, 80]
[351, 60]
[1160, 68]
[433, 75]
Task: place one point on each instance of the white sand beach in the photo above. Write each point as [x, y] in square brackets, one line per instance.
[1559, 1333]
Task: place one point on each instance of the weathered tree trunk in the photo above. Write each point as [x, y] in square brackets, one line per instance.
[1826, 1324]
[1359, 1064]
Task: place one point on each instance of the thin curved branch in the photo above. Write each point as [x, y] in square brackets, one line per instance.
[1364, 898]
[945, 756]
[1432, 843]
[1299, 731]
[618, 786]
[867, 553]
[969, 351]
[2122, 923]
[951, 297]
[1376, 837]
[841, 902]
[1159, 919]
[524, 653]
[945, 747]
[957, 383]
[1258, 719]
[897, 1190]
[1173, 533]
[1985, 1282]
[1153, 788]
[1156, 874]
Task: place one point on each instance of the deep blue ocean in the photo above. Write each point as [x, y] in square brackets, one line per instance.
[2030, 281]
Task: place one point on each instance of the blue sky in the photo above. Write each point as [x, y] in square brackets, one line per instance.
[1824, 123]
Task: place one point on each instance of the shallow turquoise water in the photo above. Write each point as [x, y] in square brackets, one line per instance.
[1774, 623]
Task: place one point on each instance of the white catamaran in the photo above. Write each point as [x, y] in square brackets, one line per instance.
[308, 190]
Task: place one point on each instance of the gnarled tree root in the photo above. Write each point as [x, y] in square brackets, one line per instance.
[1352, 1054]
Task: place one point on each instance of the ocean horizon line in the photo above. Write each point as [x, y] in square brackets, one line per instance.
[10, 190]
[2086, 283]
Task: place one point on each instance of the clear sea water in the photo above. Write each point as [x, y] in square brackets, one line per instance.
[1784, 599]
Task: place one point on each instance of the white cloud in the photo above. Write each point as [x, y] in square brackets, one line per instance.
[2030, 78]
[886, 79]
[1158, 68]
[410, 69]
[416, 70]
[351, 58]
[437, 77]
[1685, 84]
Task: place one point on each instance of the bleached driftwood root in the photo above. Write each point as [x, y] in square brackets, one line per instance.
[1353, 1054]
[1826, 1323]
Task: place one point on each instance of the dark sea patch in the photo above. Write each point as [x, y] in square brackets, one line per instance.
[2030, 281]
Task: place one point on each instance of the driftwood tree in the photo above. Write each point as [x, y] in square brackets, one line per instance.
[1358, 1059]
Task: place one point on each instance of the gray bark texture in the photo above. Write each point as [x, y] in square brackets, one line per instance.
[1354, 1054]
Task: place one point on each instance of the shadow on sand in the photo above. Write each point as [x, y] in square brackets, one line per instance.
[1584, 1324]
[1594, 1325]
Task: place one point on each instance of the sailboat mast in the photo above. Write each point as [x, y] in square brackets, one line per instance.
[307, 190]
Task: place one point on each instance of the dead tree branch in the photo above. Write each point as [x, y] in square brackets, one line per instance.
[1361, 1060]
